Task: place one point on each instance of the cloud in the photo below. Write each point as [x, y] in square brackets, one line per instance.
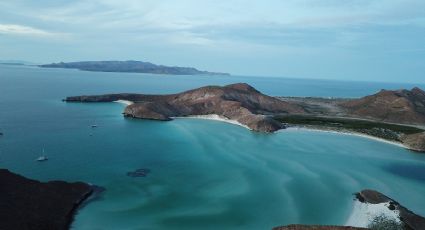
[11, 29]
[292, 33]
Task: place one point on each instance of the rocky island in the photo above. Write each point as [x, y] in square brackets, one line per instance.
[397, 116]
[129, 67]
[30, 204]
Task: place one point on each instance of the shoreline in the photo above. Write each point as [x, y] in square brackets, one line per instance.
[125, 102]
[363, 213]
[347, 132]
[214, 117]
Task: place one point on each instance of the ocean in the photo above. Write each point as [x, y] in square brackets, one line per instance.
[203, 174]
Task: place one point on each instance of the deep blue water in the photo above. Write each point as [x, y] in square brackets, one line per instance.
[204, 174]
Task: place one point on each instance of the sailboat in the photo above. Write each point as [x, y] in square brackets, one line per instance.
[94, 125]
[42, 157]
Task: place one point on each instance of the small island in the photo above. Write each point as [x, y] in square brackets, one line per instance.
[30, 204]
[129, 67]
[396, 116]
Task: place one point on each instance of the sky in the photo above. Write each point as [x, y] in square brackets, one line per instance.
[367, 40]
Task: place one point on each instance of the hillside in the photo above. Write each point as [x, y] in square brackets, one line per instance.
[239, 102]
[399, 106]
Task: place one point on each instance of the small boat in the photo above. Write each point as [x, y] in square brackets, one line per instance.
[42, 157]
[94, 125]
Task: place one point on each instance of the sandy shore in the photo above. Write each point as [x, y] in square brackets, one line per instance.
[124, 102]
[214, 117]
[348, 133]
[363, 213]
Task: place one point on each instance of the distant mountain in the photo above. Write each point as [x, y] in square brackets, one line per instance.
[15, 62]
[398, 106]
[130, 67]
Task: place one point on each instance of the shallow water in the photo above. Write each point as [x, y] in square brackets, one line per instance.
[204, 174]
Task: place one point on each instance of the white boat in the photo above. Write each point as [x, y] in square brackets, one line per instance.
[94, 125]
[42, 157]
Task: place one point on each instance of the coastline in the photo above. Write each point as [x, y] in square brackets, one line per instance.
[125, 102]
[214, 117]
[363, 213]
[26, 197]
[346, 132]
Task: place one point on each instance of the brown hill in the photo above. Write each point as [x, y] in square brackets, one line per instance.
[400, 106]
[239, 102]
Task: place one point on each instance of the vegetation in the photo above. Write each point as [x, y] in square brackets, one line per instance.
[378, 129]
[383, 222]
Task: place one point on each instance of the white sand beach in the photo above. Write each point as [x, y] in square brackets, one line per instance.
[214, 117]
[363, 213]
[347, 133]
[125, 102]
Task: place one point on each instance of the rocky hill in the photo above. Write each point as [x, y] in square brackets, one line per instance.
[30, 204]
[239, 102]
[400, 106]
[371, 115]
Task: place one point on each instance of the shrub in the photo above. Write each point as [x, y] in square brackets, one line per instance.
[383, 222]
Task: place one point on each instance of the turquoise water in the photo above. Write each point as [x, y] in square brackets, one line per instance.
[204, 174]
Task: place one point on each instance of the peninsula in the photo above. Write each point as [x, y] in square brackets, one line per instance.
[239, 102]
[30, 204]
[396, 116]
[129, 67]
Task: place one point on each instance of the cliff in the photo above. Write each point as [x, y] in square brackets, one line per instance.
[239, 102]
[130, 67]
[30, 204]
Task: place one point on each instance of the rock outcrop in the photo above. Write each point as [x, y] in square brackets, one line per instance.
[29, 204]
[400, 106]
[239, 102]
[409, 219]
[316, 227]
